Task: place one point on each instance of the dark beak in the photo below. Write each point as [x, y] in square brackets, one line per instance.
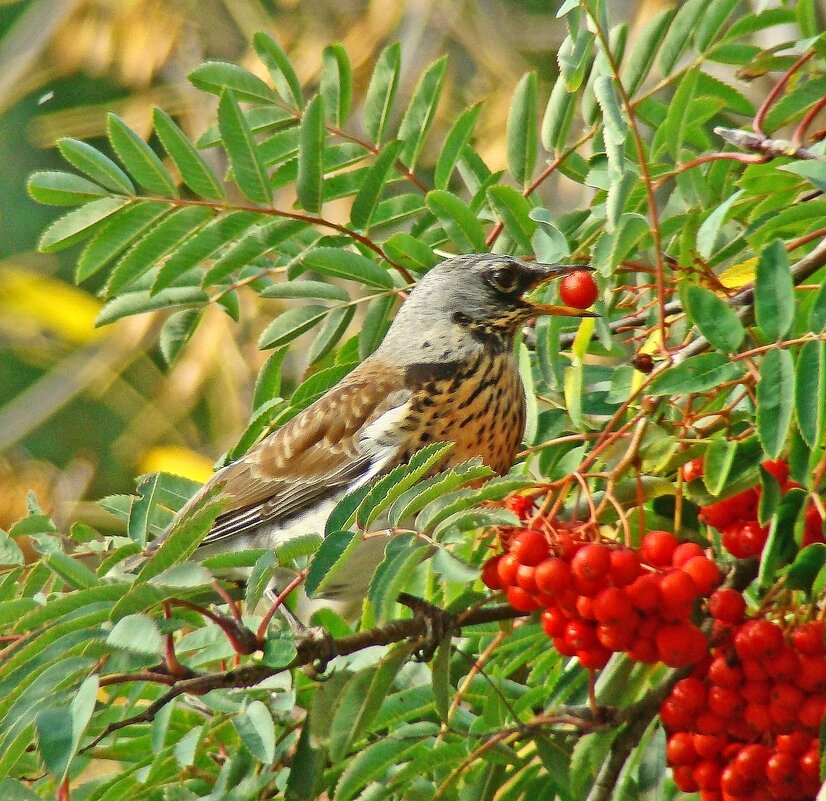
[547, 272]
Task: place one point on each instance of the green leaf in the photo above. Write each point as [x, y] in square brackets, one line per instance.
[420, 113]
[709, 231]
[336, 83]
[195, 172]
[375, 324]
[174, 229]
[309, 185]
[520, 130]
[645, 50]
[558, 117]
[138, 634]
[678, 121]
[715, 319]
[378, 102]
[291, 324]
[283, 74]
[116, 234]
[62, 188]
[574, 56]
[711, 23]
[366, 201]
[217, 76]
[615, 127]
[613, 247]
[73, 572]
[256, 729]
[331, 332]
[268, 382]
[183, 539]
[775, 400]
[455, 141]
[806, 566]
[774, 306]
[312, 290]
[347, 264]
[177, 331]
[717, 464]
[817, 314]
[242, 150]
[78, 224]
[333, 552]
[256, 242]
[679, 34]
[780, 548]
[459, 221]
[404, 553]
[218, 233]
[810, 391]
[139, 159]
[98, 167]
[514, 210]
[696, 374]
[813, 171]
[128, 303]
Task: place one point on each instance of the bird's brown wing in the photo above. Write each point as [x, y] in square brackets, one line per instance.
[344, 437]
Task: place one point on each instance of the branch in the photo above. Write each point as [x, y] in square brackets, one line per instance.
[773, 148]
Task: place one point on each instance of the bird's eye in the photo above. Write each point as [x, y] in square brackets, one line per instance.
[504, 279]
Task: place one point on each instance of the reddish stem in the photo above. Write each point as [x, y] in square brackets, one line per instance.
[771, 98]
[262, 629]
[799, 135]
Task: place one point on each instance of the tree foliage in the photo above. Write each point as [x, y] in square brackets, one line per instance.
[705, 228]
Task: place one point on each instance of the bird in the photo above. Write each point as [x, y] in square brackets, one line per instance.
[444, 372]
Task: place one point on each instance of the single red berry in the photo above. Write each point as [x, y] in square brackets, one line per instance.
[520, 600]
[812, 677]
[592, 562]
[812, 526]
[680, 644]
[678, 589]
[707, 774]
[506, 568]
[709, 723]
[685, 551]
[737, 508]
[756, 692]
[553, 575]
[589, 587]
[674, 717]
[782, 769]
[658, 548]
[529, 547]
[644, 592]
[754, 670]
[679, 749]
[614, 637]
[490, 573]
[757, 715]
[786, 696]
[594, 658]
[808, 638]
[735, 782]
[812, 712]
[752, 759]
[721, 673]
[795, 743]
[612, 606]
[683, 776]
[810, 764]
[727, 605]
[693, 470]
[578, 289]
[690, 693]
[753, 538]
[562, 647]
[585, 607]
[705, 573]
[580, 635]
[708, 746]
[724, 701]
[785, 665]
[758, 639]
[525, 578]
[553, 621]
[625, 566]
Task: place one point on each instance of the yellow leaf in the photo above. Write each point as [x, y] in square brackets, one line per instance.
[738, 275]
[176, 460]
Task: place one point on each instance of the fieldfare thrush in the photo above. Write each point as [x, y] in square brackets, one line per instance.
[445, 371]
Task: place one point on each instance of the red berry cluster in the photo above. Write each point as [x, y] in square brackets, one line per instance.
[598, 598]
[736, 517]
[745, 724]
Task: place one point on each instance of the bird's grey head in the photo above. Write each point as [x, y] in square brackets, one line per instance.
[470, 301]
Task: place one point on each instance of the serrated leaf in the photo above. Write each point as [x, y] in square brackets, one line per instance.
[128, 303]
[333, 552]
[283, 74]
[169, 233]
[455, 141]
[309, 184]
[421, 111]
[646, 47]
[810, 391]
[514, 210]
[98, 167]
[336, 83]
[613, 247]
[116, 234]
[256, 729]
[402, 556]
[56, 188]
[366, 201]
[559, 114]
[709, 231]
[70, 570]
[574, 56]
[375, 324]
[459, 221]
[78, 224]
[347, 264]
[312, 290]
[242, 150]
[679, 34]
[185, 574]
[711, 22]
[217, 234]
[138, 634]
[696, 374]
[177, 331]
[331, 332]
[291, 324]
[615, 126]
[714, 318]
[139, 159]
[774, 305]
[717, 464]
[520, 130]
[775, 400]
[378, 102]
[195, 172]
[217, 76]
[679, 119]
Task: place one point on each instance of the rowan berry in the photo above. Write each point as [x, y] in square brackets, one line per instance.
[734, 782]
[625, 566]
[795, 743]
[758, 639]
[561, 646]
[685, 551]
[585, 607]
[693, 470]
[644, 592]
[674, 717]
[658, 548]
[727, 605]
[594, 658]
[752, 759]
[592, 562]
[707, 774]
[490, 573]
[683, 776]
[553, 575]
[724, 701]
[553, 621]
[506, 569]
[680, 644]
[812, 712]
[580, 635]
[808, 638]
[722, 674]
[578, 289]
[679, 749]
[752, 539]
[611, 606]
[529, 547]
[521, 600]
[705, 573]
[690, 693]
[781, 769]
[779, 468]
[526, 578]
[678, 589]
[708, 746]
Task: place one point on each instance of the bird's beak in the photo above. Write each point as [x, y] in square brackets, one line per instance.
[546, 272]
